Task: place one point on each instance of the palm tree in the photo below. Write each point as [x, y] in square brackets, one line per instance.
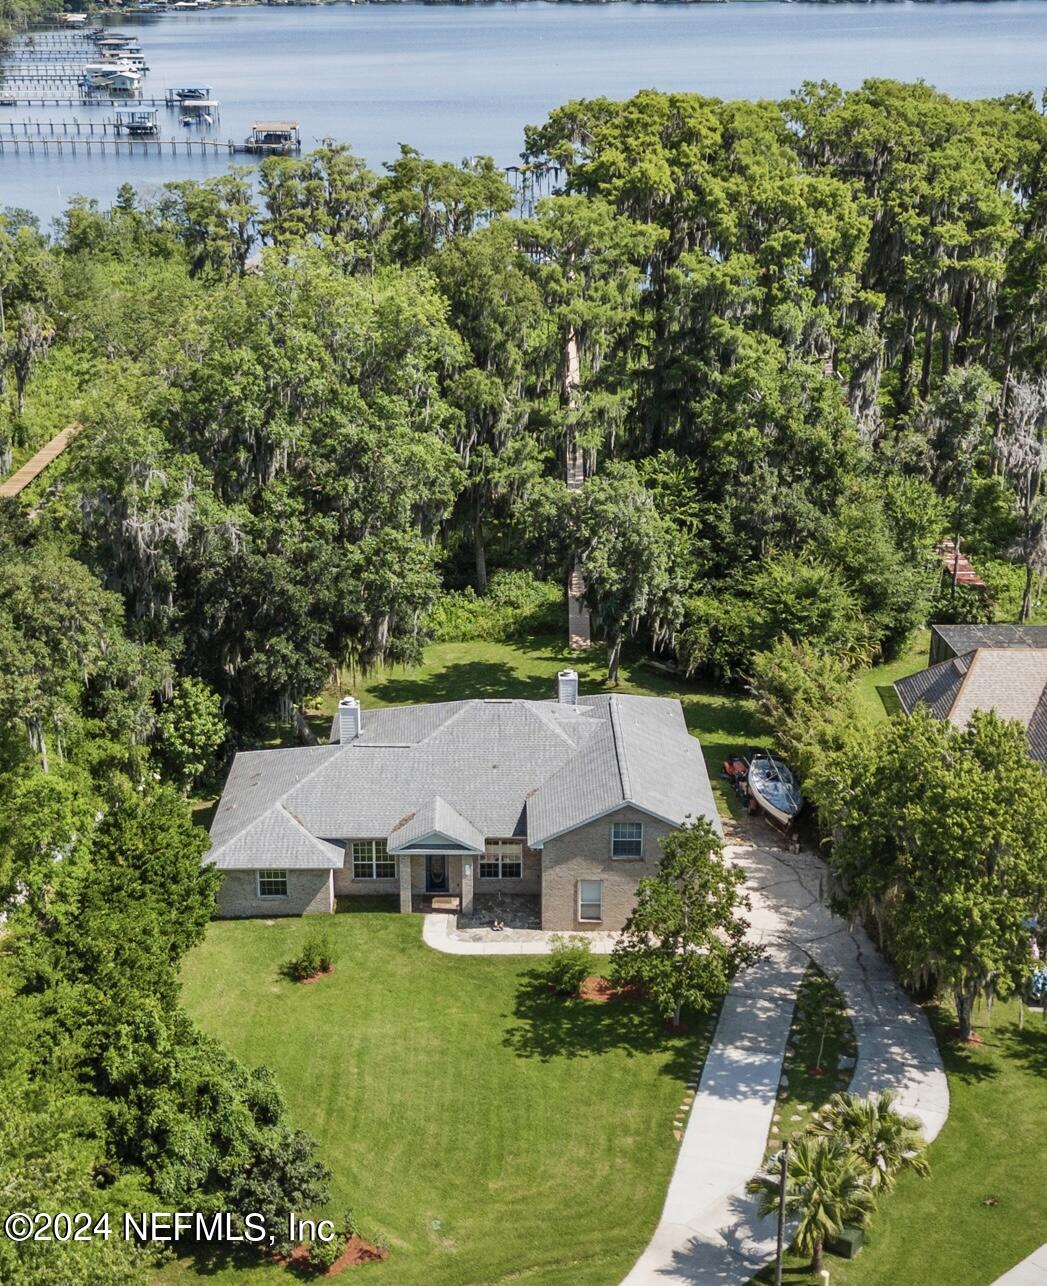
[825, 1186]
[885, 1141]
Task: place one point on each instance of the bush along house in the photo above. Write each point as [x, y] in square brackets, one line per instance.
[560, 803]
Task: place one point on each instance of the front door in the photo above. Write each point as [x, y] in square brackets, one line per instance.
[436, 874]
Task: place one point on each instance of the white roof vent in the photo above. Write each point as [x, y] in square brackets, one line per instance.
[567, 687]
[349, 722]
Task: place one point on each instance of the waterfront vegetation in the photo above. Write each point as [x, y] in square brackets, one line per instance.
[325, 422]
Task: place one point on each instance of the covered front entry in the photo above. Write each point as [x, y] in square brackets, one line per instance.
[424, 876]
[436, 878]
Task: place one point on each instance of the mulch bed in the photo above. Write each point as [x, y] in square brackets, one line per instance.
[357, 1251]
[601, 990]
[953, 1033]
[317, 976]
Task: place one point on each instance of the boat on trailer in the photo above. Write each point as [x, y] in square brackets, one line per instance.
[774, 789]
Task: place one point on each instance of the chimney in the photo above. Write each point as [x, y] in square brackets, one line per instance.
[567, 687]
[349, 722]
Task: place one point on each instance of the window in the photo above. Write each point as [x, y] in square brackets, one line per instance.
[502, 860]
[272, 884]
[627, 839]
[590, 899]
[371, 861]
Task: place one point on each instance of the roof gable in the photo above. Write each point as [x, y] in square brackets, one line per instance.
[435, 827]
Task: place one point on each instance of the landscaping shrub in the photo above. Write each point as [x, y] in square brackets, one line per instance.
[569, 964]
[322, 1254]
[350, 1225]
[315, 957]
[516, 603]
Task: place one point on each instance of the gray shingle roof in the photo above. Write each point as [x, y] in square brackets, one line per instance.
[277, 839]
[936, 687]
[966, 638]
[472, 769]
[1012, 680]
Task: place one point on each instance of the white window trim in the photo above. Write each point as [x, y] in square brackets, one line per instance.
[258, 884]
[582, 919]
[374, 859]
[627, 857]
[499, 859]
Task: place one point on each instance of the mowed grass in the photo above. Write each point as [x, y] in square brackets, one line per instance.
[483, 1128]
[876, 697]
[820, 1039]
[981, 1210]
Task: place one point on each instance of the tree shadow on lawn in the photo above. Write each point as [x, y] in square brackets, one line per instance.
[551, 1026]
[1026, 1048]
[208, 1259]
[965, 1062]
[461, 680]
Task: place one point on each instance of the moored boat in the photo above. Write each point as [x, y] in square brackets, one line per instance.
[774, 788]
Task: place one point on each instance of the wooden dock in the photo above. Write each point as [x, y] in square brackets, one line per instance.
[103, 145]
[88, 100]
[33, 468]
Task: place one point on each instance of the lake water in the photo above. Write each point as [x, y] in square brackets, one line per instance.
[461, 80]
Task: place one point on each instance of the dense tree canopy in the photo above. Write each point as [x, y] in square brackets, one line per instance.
[785, 348]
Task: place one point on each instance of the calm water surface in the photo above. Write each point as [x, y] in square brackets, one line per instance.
[457, 81]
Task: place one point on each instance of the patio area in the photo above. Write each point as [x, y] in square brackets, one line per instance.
[513, 910]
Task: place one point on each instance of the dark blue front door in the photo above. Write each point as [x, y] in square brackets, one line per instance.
[436, 874]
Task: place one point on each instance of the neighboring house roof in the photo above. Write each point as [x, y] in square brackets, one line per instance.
[1010, 680]
[966, 638]
[467, 770]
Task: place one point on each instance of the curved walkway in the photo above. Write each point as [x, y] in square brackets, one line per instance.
[709, 1231]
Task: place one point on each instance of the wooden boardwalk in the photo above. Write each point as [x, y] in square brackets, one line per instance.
[34, 467]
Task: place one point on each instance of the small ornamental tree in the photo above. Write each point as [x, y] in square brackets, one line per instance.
[191, 729]
[685, 937]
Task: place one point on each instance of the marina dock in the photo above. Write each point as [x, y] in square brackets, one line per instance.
[89, 69]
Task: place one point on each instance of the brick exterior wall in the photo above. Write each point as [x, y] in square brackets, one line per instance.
[308, 893]
[585, 854]
[529, 883]
[346, 886]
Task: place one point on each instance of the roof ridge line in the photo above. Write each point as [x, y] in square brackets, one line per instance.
[315, 840]
[963, 682]
[548, 723]
[619, 747]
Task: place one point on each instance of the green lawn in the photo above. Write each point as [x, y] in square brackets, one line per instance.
[981, 1210]
[820, 1036]
[875, 694]
[484, 1129]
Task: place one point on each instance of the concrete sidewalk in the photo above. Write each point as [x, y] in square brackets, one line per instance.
[440, 932]
[1030, 1272]
[709, 1230]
